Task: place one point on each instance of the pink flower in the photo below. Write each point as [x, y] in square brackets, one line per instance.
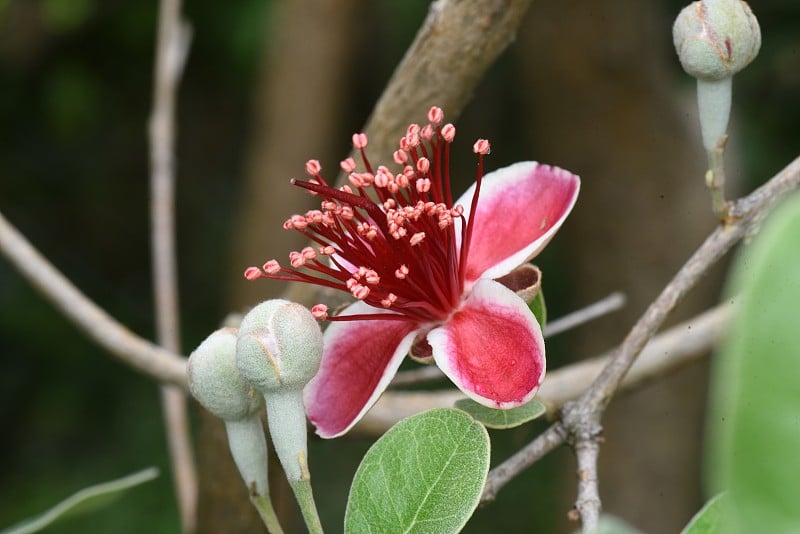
[422, 268]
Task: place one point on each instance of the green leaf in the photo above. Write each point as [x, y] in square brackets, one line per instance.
[82, 501]
[538, 308]
[709, 519]
[755, 416]
[426, 474]
[492, 418]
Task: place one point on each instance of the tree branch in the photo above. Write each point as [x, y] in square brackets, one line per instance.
[172, 48]
[456, 45]
[132, 350]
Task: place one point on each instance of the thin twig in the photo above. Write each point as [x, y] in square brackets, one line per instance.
[611, 303]
[715, 179]
[132, 350]
[587, 502]
[171, 49]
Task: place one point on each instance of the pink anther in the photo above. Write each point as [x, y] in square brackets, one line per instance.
[401, 272]
[320, 311]
[423, 185]
[389, 204]
[449, 132]
[348, 165]
[423, 165]
[327, 250]
[360, 292]
[481, 146]
[359, 140]
[390, 299]
[252, 273]
[355, 179]
[296, 259]
[313, 167]
[308, 253]
[400, 157]
[427, 132]
[417, 238]
[435, 115]
[299, 222]
[372, 277]
[272, 267]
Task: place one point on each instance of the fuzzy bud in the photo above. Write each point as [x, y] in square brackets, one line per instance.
[215, 382]
[279, 346]
[279, 351]
[214, 379]
[715, 39]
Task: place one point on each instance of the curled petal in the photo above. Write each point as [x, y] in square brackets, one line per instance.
[492, 348]
[520, 208]
[358, 361]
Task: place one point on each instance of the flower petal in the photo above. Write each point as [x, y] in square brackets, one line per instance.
[358, 361]
[520, 208]
[492, 348]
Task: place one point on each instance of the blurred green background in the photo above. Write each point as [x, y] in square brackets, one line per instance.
[75, 95]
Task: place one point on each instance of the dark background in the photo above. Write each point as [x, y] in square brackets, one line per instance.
[593, 88]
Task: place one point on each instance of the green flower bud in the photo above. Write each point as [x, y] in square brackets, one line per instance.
[214, 379]
[215, 382]
[279, 347]
[715, 39]
[279, 352]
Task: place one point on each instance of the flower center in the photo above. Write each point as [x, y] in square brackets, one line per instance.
[388, 239]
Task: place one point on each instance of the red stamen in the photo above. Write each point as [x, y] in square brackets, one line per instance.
[398, 253]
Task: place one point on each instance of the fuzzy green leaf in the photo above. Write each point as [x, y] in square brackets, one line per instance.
[755, 416]
[425, 474]
[492, 418]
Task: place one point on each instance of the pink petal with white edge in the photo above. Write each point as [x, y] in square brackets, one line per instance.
[520, 208]
[358, 361]
[492, 348]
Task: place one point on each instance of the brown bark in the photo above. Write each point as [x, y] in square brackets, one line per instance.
[600, 80]
[458, 42]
